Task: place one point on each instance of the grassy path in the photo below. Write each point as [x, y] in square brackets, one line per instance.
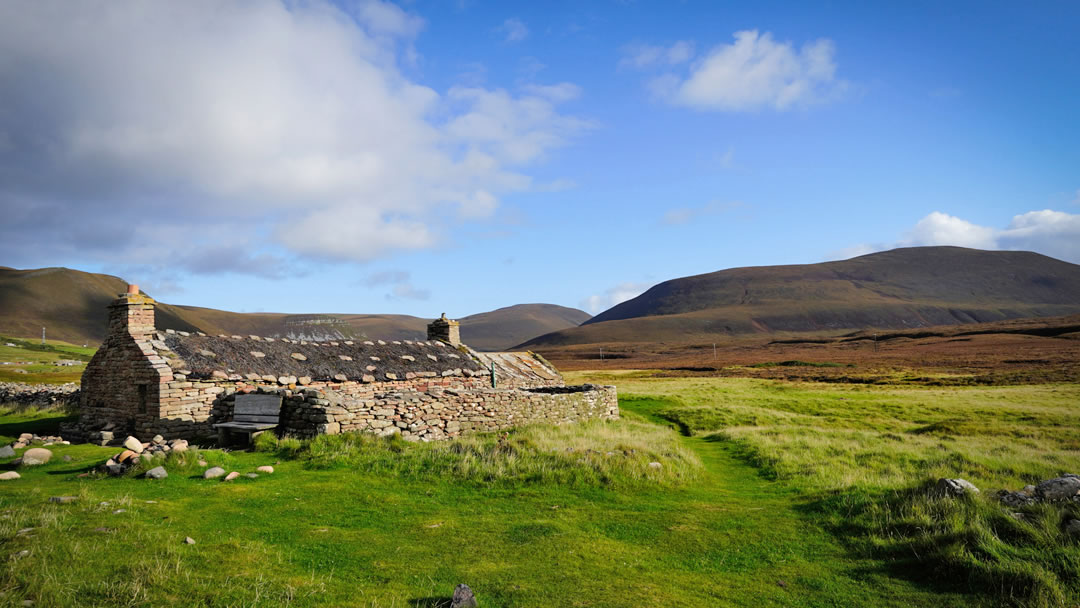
[338, 537]
[767, 552]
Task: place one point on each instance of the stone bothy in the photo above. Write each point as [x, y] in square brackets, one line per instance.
[144, 381]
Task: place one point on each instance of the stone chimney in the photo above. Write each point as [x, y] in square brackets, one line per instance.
[132, 313]
[445, 330]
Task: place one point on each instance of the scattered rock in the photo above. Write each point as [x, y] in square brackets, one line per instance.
[35, 456]
[265, 469]
[119, 511]
[68, 458]
[124, 456]
[1051, 490]
[1073, 527]
[252, 476]
[133, 444]
[20, 554]
[1015, 499]
[63, 499]
[157, 440]
[202, 463]
[157, 473]
[232, 476]
[950, 488]
[189, 541]
[655, 465]
[9, 476]
[463, 597]
[7, 451]
[213, 473]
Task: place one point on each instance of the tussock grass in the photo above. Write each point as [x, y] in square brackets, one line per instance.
[867, 457]
[614, 454]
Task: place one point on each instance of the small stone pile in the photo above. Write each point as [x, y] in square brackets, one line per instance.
[22, 393]
[31, 439]
[1059, 489]
[135, 451]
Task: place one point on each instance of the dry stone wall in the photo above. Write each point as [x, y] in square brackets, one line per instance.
[438, 412]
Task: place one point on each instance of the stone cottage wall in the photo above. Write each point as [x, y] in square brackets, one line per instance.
[436, 412]
[122, 383]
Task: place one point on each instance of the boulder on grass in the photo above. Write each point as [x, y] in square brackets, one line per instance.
[1052, 490]
[463, 597]
[9, 476]
[35, 456]
[213, 472]
[157, 473]
[7, 451]
[951, 488]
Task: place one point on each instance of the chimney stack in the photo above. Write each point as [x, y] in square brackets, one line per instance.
[445, 330]
[132, 313]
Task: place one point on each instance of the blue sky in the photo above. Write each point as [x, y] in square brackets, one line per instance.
[435, 156]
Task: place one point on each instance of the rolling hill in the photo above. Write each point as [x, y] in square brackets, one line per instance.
[71, 304]
[901, 288]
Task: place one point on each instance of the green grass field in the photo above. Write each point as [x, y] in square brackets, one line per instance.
[768, 494]
[35, 361]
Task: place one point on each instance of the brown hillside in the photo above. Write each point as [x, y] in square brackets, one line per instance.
[72, 306]
[902, 288]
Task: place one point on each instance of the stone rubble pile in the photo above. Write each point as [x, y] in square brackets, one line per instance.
[135, 451]
[21, 393]
[27, 439]
[1059, 489]
[1063, 489]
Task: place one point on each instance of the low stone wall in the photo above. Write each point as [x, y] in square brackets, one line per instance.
[441, 413]
[438, 413]
[21, 393]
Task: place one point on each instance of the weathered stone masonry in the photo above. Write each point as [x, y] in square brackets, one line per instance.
[176, 384]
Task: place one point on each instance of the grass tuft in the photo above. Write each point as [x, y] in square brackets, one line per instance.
[596, 453]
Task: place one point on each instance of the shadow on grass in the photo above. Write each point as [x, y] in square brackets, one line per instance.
[39, 426]
[431, 602]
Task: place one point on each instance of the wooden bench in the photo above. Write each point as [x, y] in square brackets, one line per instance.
[252, 414]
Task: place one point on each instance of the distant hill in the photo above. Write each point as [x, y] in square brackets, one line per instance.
[71, 305]
[901, 288]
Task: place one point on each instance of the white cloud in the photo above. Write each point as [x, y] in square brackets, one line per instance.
[1052, 233]
[279, 129]
[752, 73]
[514, 30]
[622, 292]
[641, 56]
[943, 229]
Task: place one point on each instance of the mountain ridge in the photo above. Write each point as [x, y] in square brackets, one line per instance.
[900, 288]
[71, 304]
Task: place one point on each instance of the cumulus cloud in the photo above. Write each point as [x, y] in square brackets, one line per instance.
[622, 292]
[514, 30]
[245, 135]
[752, 73]
[1052, 233]
[942, 229]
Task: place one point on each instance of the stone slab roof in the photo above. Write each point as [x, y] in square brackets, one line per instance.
[254, 357]
[522, 366]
